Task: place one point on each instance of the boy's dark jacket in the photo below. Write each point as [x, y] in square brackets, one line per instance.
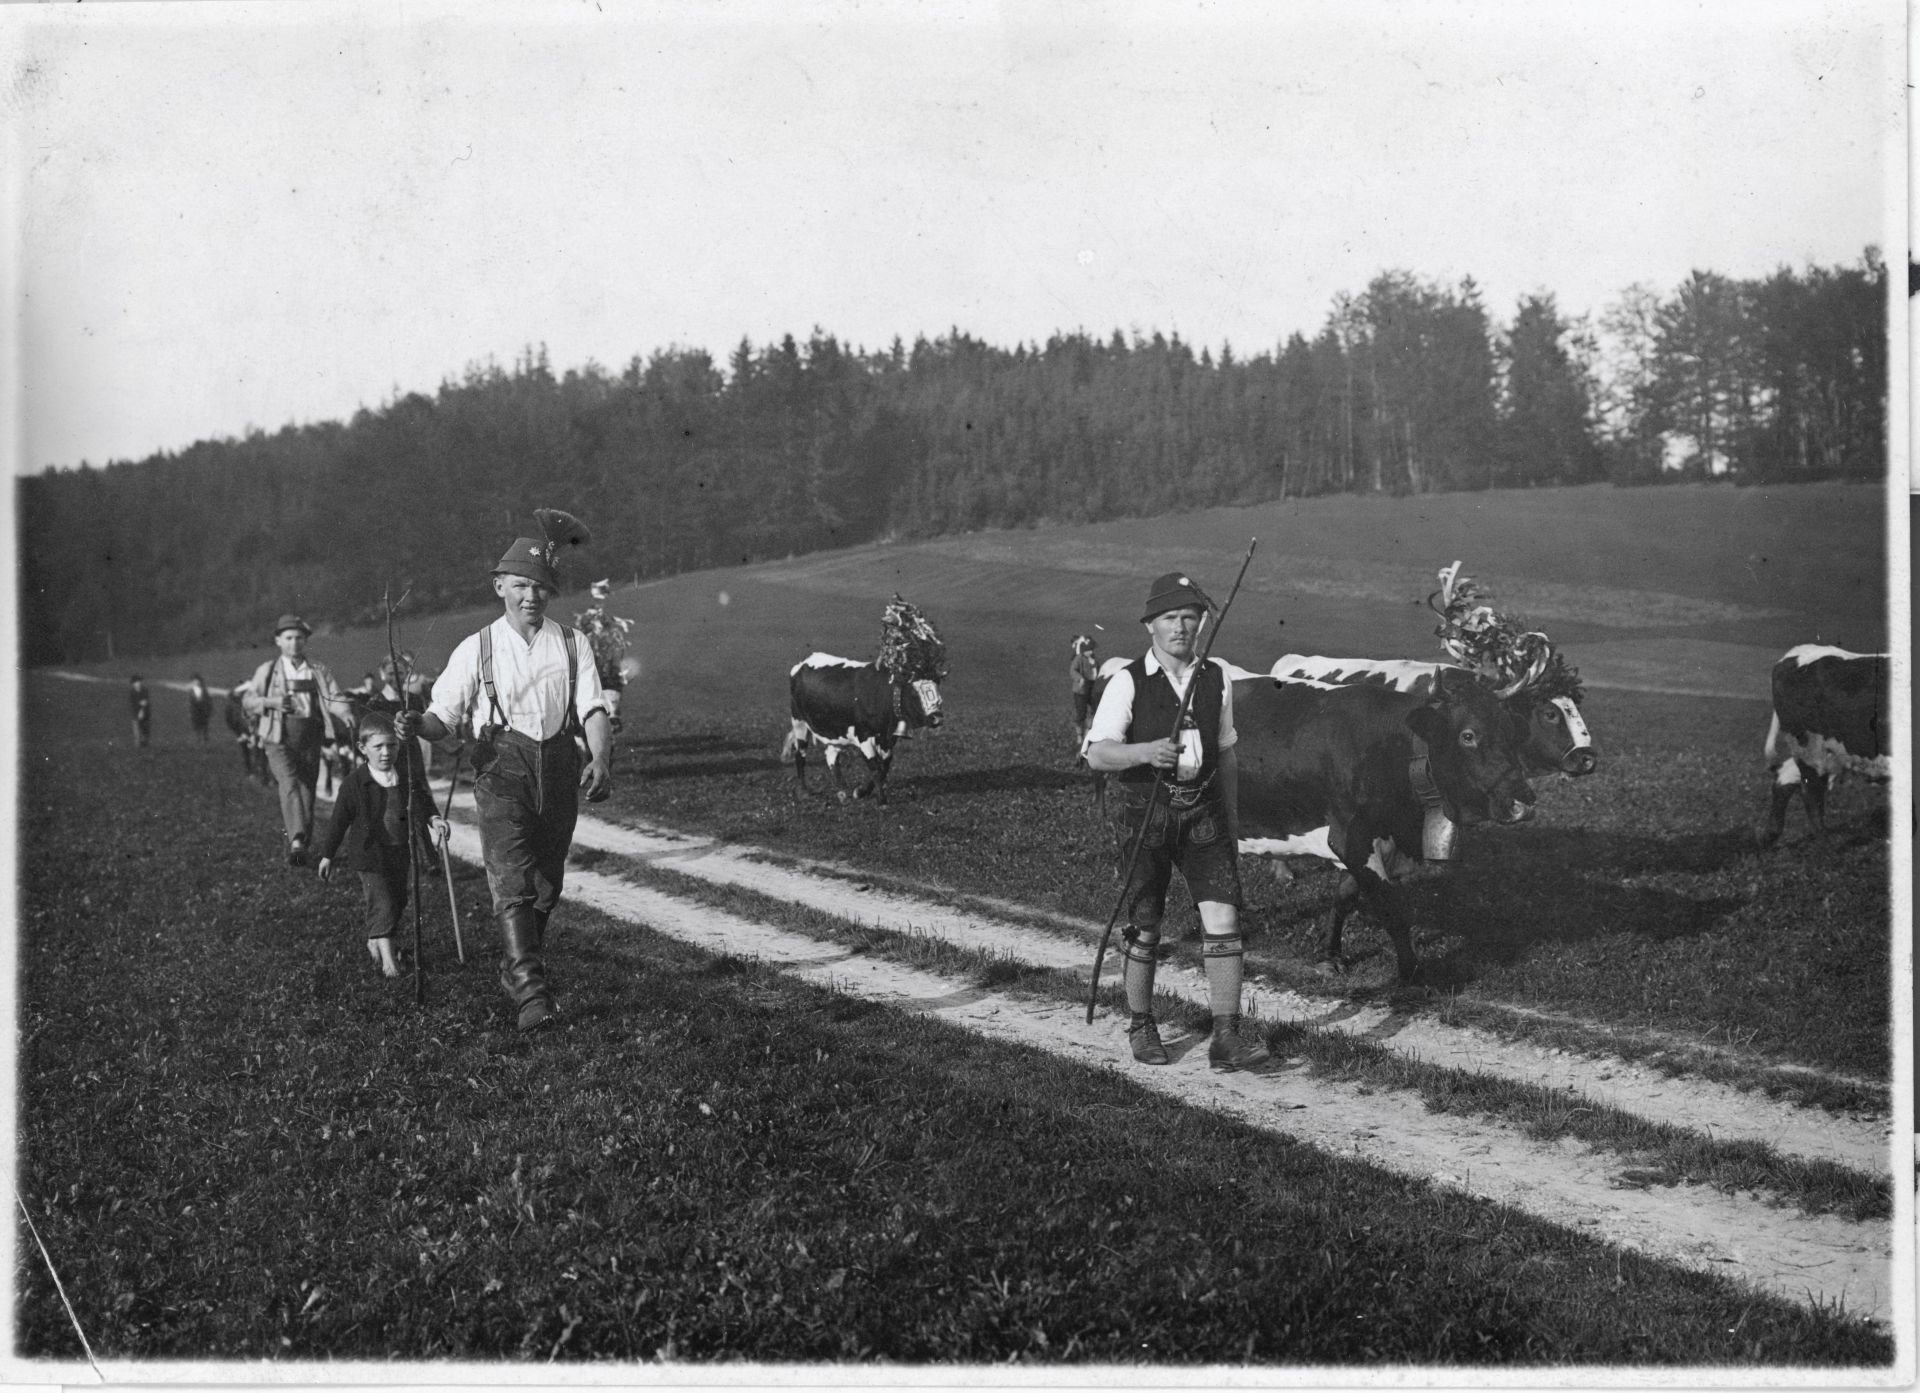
[358, 821]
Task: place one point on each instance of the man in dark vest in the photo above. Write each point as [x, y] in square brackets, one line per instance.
[1195, 821]
[292, 702]
[509, 686]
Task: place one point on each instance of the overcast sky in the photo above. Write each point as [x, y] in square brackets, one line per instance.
[236, 215]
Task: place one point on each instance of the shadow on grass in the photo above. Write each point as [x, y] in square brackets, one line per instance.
[1516, 892]
[1011, 778]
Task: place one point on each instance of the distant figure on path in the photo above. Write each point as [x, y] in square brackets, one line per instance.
[370, 820]
[140, 705]
[1081, 673]
[293, 702]
[199, 706]
[523, 686]
[1195, 822]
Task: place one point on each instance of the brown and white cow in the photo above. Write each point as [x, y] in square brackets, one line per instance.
[1374, 779]
[1830, 718]
[1554, 735]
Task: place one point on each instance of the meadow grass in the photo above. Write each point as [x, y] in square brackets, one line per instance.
[239, 1143]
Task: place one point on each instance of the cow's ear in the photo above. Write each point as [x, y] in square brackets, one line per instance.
[1425, 722]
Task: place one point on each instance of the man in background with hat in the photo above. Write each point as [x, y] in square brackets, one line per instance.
[524, 686]
[1193, 824]
[291, 702]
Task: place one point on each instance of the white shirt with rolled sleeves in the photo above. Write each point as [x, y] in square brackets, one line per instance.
[530, 681]
[1115, 712]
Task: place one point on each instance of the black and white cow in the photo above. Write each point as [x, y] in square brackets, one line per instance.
[1374, 779]
[1830, 718]
[844, 705]
[1555, 738]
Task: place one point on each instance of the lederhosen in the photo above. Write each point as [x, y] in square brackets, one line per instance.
[527, 793]
[1188, 825]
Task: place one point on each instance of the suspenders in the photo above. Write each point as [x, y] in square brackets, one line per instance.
[572, 723]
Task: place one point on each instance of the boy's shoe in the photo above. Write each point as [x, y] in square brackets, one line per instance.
[1228, 1051]
[1145, 1039]
[536, 1011]
[297, 852]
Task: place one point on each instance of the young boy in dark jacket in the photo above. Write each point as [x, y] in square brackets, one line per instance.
[370, 820]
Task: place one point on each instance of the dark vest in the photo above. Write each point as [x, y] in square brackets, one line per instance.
[1154, 705]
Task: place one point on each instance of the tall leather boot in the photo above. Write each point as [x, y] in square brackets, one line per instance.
[523, 976]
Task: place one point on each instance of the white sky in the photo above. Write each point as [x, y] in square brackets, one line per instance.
[234, 215]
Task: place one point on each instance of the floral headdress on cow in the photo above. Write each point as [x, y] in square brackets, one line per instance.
[909, 646]
[606, 633]
[1498, 647]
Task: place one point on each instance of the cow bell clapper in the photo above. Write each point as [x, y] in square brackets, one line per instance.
[1159, 781]
[400, 675]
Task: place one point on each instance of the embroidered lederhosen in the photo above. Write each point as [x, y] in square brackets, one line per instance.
[1186, 825]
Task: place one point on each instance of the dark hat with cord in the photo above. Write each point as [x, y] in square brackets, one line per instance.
[290, 621]
[538, 558]
[1174, 591]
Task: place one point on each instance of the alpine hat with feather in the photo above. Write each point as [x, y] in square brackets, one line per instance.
[538, 558]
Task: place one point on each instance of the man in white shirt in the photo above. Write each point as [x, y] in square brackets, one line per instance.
[293, 701]
[1193, 823]
[508, 685]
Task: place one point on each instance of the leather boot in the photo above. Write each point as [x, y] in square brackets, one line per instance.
[1144, 1036]
[522, 974]
[1228, 1050]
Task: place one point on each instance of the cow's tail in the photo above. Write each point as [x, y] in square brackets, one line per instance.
[1775, 755]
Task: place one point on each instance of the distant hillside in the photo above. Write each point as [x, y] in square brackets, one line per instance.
[1690, 589]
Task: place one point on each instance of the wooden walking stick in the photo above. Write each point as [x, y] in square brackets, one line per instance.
[1159, 780]
[406, 797]
[446, 861]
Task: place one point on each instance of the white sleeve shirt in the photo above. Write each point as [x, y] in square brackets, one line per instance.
[1115, 712]
[530, 680]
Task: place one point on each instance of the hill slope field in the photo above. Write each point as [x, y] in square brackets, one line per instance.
[1693, 589]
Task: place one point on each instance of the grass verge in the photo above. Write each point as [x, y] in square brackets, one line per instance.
[240, 1145]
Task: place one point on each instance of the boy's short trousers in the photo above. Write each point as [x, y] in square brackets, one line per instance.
[1193, 839]
[1081, 705]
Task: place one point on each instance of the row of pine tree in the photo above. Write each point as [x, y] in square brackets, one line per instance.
[679, 464]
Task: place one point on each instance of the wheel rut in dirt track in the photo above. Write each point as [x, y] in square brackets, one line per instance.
[1861, 1143]
[1818, 1260]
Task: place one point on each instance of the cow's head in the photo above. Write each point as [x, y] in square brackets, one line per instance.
[1473, 750]
[921, 703]
[1553, 736]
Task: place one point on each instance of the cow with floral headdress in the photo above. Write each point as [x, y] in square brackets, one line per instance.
[867, 707]
[1522, 666]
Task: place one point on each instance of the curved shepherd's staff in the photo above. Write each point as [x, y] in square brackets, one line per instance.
[406, 793]
[1159, 779]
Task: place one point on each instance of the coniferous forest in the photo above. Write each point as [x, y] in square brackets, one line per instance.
[681, 462]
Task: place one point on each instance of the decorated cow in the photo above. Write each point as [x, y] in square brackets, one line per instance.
[607, 637]
[867, 707]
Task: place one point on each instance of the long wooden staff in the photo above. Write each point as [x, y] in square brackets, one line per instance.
[446, 861]
[406, 800]
[1159, 779]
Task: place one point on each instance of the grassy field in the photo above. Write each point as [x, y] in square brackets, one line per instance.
[239, 1144]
